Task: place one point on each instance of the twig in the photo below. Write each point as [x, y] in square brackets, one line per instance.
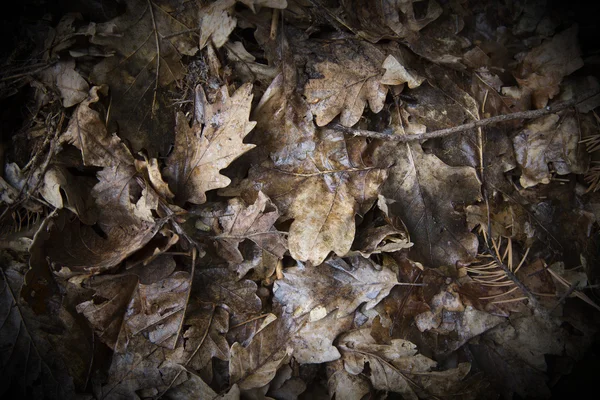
[465, 127]
[156, 39]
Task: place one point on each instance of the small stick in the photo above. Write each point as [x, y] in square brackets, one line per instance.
[465, 127]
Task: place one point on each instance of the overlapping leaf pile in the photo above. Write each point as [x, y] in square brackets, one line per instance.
[219, 203]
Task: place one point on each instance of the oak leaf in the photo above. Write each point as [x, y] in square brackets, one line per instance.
[147, 43]
[200, 153]
[423, 191]
[335, 285]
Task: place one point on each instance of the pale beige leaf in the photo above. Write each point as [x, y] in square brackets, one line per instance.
[199, 154]
[71, 85]
[397, 74]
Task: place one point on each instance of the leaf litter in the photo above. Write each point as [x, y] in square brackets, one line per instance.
[298, 199]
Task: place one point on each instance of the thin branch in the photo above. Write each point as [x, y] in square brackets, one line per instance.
[156, 39]
[531, 114]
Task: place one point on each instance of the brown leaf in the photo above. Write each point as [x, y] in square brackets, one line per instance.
[87, 132]
[347, 85]
[544, 67]
[329, 186]
[424, 191]
[256, 364]
[199, 154]
[255, 223]
[47, 354]
[146, 61]
[220, 286]
[194, 387]
[334, 285]
[550, 139]
[344, 385]
[71, 85]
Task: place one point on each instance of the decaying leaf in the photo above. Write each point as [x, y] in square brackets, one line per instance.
[352, 80]
[425, 192]
[331, 185]
[87, 132]
[334, 285]
[45, 355]
[390, 18]
[544, 67]
[554, 140]
[255, 365]
[397, 367]
[146, 60]
[200, 153]
[71, 85]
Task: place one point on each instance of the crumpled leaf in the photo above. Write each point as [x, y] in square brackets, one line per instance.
[313, 343]
[255, 223]
[543, 68]
[45, 352]
[71, 85]
[246, 67]
[217, 21]
[331, 185]
[285, 386]
[220, 286]
[58, 181]
[145, 63]
[193, 166]
[549, 139]
[423, 191]
[397, 367]
[351, 79]
[122, 307]
[334, 285]
[87, 132]
[284, 122]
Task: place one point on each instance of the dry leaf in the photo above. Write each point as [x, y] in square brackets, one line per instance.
[71, 85]
[254, 223]
[346, 86]
[45, 354]
[146, 61]
[334, 285]
[551, 139]
[425, 190]
[200, 153]
[87, 132]
[390, 18]
[330, 186]
[256, 364]
[345, 385]
[544, 67]
[195, 388]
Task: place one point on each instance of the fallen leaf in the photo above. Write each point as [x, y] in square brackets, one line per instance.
[352, 80]
[417, 183]
[45, 355]
[389, 18]
[335, 285]
[331, 185]
[71, 85]
[88, 133]
[255, 365]
[194, 387]
[148, 42]
[551, 139]
[199, 154]
[285, 386]
[345, 385]
[255, 223]
[544, 67]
